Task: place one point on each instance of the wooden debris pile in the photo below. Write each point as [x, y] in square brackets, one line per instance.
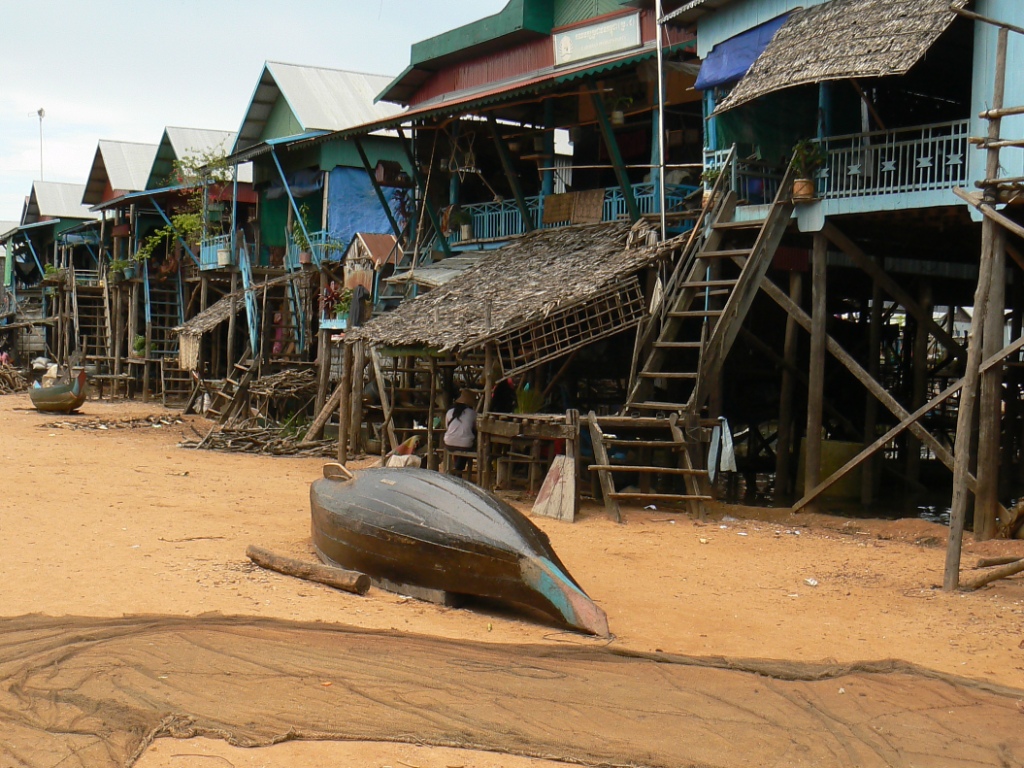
[289, 383]
[269, 441]
[11, 380]
[93, 425]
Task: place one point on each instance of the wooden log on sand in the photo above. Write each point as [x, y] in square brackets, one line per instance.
[350, 581]
[1002, 572]
[988, 562]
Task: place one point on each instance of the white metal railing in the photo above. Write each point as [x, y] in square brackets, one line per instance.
[903, 160]
[501, 219]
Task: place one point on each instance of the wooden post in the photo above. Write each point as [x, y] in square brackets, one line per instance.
[324, 369]
[204, 299]
[784, 445]
[991, 396]
[920, 383]
[431, 448]
[356, 413]
[345, 406]
[233, 301]
[869, 472]
[816, 373]
[965, 413]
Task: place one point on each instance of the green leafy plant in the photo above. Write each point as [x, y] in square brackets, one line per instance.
[118, 265]
[458, 217]
[199, 175]
[808, 157]
[49, 270]
[139, 346]
[299, 230]
[710, 176]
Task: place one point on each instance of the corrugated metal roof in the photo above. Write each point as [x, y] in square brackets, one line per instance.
[125, 165]
[56, 200]
[319, 98]
[7, 229]
[178, 143]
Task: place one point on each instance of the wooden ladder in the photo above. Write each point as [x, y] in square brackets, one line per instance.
[626, 444]
[229, 398]
[702, 314]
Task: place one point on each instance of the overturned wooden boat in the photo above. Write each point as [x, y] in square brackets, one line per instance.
[59, 398]
[419, 527]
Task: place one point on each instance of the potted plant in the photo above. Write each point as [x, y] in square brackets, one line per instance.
[808, 157]
[709, 178]
[116, 270]
[53, 274]
[299, 236]
[139, 346]
[464, 221]
[129, 269]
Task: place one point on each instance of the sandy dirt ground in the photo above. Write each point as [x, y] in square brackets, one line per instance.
[121, 521]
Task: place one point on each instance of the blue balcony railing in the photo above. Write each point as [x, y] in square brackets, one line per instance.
[502, 219]
[904, 160]
[208, 251]
[322, 247]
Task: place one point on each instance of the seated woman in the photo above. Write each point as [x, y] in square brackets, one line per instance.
[460, 428]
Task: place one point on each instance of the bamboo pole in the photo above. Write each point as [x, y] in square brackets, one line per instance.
[356, 402]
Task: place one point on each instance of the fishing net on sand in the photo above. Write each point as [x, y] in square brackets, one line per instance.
[80, 692]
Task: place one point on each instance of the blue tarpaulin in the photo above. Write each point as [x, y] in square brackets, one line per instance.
[730, 59]
[300, 184]
[352, 205]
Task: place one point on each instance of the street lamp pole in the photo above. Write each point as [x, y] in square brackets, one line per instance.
[42, 114]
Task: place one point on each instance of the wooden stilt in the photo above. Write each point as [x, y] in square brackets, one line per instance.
[920, 382]
[232, 318]
[356, 402]
[345, 405]
[816, 375]
[323, 349]
[784, 443]
[431, 412]
[990, 412]
[869, 473]
[965, 413]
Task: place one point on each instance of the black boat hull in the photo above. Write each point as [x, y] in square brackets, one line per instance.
[419, 527]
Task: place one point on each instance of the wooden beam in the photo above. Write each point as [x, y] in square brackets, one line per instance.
[616, 157]
[990, 412]
[385, 402]
[876, 389]
[988, 211]
[866, 264]
[426, 197]
[816, 371]
[510, 173]
[601, 455]
[784, 444]
[874, 447]
[345, 402]
[868, 475]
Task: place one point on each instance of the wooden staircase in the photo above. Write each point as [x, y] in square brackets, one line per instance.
[93, 324]
[707, 297]
[231, 396]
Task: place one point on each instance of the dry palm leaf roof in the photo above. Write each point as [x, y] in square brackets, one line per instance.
[522, 283]
[221, 310]
[844, 39]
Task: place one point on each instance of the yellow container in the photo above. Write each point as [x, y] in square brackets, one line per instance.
[834, 454]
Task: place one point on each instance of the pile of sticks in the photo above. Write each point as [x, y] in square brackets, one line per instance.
[11, 380]
[270, 441]
[289, 383]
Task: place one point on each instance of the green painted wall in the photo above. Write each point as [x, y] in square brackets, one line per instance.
[335, 153]
[574, 11]
[281, 122]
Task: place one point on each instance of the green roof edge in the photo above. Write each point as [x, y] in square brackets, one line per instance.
[531, 15]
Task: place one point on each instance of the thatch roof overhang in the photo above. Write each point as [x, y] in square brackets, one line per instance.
[845, 39]
[571, 285]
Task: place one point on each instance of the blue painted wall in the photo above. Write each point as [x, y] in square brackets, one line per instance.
[1012, 11]
[740, 16]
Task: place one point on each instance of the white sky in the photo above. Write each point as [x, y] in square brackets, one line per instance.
[125, 69]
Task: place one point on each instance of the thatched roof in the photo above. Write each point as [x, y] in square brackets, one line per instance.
[845, 39]
[220, 310]
[522, 283]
